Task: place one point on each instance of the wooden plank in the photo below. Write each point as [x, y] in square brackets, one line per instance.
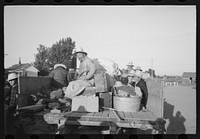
[106, 114]
[133, 125]
[143, 115]
[87, 123]
[151, 116]
[121, 114]
[98, 114]
[135, 115]
[128, 116]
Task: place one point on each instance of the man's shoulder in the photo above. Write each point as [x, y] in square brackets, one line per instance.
[88, 59]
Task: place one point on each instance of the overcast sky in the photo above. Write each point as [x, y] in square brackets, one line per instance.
[165, 35]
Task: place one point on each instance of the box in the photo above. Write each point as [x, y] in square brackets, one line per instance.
[101, 82]
[85, 104]
[106, 99]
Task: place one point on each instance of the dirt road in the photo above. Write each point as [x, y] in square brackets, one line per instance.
[180, 109]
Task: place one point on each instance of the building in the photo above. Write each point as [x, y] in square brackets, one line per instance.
[189, 77]
[25, 69]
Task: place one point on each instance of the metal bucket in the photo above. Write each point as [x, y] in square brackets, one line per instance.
[127, 104]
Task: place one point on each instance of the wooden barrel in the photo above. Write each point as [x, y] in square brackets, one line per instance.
[127, 104]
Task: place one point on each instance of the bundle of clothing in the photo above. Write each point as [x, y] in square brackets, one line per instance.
[127, 91]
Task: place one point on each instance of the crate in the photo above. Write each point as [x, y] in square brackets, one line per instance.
[85, 104]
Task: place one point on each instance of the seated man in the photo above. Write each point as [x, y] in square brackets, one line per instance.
[139, 82]
[85, 75]
[59, 74]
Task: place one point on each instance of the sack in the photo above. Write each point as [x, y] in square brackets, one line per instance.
[129, 89]
[101, 82]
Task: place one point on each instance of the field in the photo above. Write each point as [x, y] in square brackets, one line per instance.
[180, 109]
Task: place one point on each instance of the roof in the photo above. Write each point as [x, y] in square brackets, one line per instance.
[189, 75]
[19, 67]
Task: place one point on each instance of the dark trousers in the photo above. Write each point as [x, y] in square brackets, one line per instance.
[10, 121]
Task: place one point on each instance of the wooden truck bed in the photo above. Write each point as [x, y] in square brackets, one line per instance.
[151, 119]
[143, 120]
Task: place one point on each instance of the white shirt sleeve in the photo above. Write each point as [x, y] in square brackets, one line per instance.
[138, 91]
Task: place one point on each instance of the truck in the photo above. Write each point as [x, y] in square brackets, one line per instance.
[150, 120]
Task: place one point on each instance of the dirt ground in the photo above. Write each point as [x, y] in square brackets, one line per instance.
[180, 109]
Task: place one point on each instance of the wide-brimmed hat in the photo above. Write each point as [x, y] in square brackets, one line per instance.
[79, 50]
[12, 76]
[60, 65]
[130, 63]
[131, 73]
[138, 73]
[138, 68]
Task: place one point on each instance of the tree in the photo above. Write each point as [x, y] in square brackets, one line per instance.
[59, 53]
[40, 59]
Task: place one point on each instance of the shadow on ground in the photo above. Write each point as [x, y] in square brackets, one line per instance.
[176, 123]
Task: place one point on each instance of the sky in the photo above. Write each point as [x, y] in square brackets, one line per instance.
[158, 37]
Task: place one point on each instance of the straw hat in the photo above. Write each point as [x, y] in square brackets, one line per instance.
[131, 73]
[60, 65]
[12, 76]
[130, 63]
[79, 50]
[138, 73]
[138, 68]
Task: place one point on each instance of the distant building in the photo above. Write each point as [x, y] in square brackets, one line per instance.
[170, 82]
[25, 69]
[189, 77]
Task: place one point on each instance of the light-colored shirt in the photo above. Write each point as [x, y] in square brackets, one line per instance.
[87, 69]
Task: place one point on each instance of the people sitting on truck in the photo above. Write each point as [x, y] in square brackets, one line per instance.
[85, 77]
[59, 74]
[10, 104]
[139, 82]
[131, 82]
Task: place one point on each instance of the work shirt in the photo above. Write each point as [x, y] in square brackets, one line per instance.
[13, 96]
[87, 69]
[143, 87]
[60, 76]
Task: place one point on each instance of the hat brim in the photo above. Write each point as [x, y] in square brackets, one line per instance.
[80, 52]
[60, 65]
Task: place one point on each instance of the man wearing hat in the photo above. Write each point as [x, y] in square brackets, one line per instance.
[59, 74]
[130, 66]
[10, 104]
[139, 82]
[86, 73]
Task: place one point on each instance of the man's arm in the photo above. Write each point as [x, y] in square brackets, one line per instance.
[92, 69]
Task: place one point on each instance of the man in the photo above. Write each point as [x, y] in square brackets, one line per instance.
[10, 105]
[139, 82]
[59, 74]
[125, 72]
[85, 75]
[130, 66]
